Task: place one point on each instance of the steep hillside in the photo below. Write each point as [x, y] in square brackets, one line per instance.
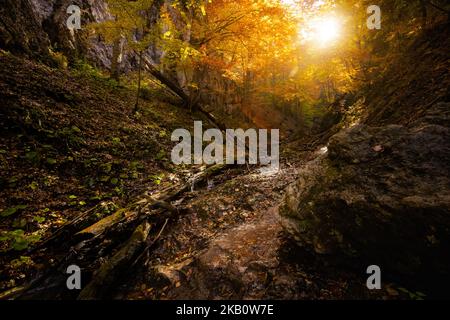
[412, 82]
[69, 142]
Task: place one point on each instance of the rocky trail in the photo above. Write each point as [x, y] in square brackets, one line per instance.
[232, 246]
[219, 237]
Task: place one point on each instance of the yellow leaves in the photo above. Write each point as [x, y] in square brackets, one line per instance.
[254, 32]
[202, 8]
[188, 52]
[127, 20]
[238, 36]
[231, 75]
[167, 34]
[194, 85]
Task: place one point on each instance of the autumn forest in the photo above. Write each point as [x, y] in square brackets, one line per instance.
[224, 150]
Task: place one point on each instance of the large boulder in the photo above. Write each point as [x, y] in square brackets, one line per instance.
[380, 195]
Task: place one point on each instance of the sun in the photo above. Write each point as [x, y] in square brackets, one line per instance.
[323, 31]
[326, 30]
[289, 2]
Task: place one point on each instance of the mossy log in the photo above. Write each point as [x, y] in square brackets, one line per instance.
[109, 271]
[100, 226]
[145, 208]
[100, 239]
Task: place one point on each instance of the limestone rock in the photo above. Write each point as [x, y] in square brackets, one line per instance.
[20, 29]
[381, 195]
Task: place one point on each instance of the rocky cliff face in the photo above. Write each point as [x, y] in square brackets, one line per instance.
[381, 194]
[20, 30]
[52, 15]
[34, 26]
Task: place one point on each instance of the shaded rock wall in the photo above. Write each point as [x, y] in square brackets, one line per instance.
[381, 194]
[31, 27]
[75, 45]
[20, 30]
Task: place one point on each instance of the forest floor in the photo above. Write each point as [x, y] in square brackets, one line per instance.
[231, 245]
[69, 144]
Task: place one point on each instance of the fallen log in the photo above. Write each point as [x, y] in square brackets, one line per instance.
[11, 293]
[166, 81]
[103, 237]
[144, 207]
[83, 220]
[100, 226]
[181, 94]
[109, 271]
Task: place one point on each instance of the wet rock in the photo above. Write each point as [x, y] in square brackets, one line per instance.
[380, 195]
[171, 274]
[237, 264]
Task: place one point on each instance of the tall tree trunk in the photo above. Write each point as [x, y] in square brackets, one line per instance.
[116, 59]
[166, 81]
[136, 106]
